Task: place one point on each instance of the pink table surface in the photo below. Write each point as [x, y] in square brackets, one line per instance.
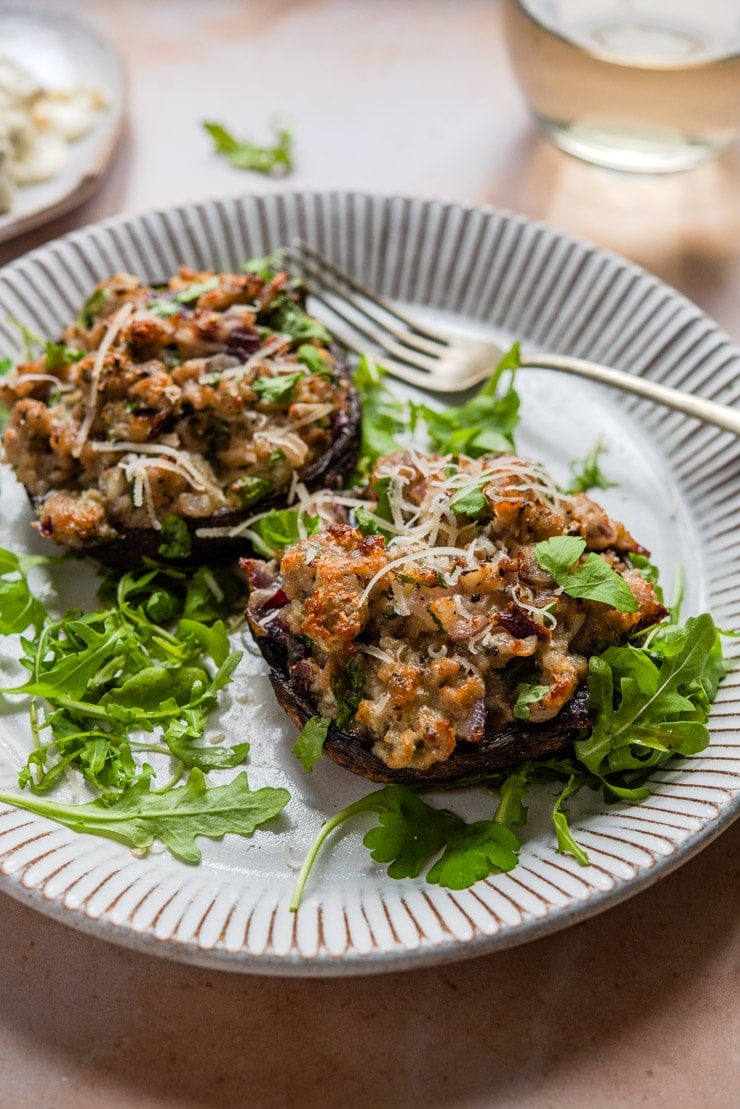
[637, 1006]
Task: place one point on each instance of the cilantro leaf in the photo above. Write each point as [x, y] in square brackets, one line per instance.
[243, 154]
[309, 746]
[277, 390]
[593, 580]
[176, 817]
[409, 831]
[587, 472]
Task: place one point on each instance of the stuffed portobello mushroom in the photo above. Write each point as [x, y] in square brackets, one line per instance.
[169, 414]
[443, 621]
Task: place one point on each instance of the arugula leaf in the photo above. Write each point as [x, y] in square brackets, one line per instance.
[566, 841]
[281, 528]
[649, 704]
[384, 417]
[176, 541]
[277, 390]
[181, 736]
[243, 154]
[485, 423]
[19, 609]
[593, 580]
[587, 472]
[177, 817]
[368, 522]
[309, 746]
[92, 306]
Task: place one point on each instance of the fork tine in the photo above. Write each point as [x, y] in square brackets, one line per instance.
[422, 338]
[423, 363]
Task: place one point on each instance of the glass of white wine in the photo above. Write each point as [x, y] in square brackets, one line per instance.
[650, 86]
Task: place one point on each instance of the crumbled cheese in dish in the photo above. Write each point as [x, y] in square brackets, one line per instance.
[37, 126]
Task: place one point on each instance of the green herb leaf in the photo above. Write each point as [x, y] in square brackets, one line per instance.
[527, 696]
[58, 355]
[164, 308]
[92, 306]
[281, 528]
[593, 580]
[651, 703]
[176, 818]
[196, 290]
[347, 688]
[473, 852]
[470, 502]
[409, 831]
[286, 316]
[176, 541]
[252, 490]
[278, 389]
[310, 356]
[309, 746]
[484, 424]
[6, 366]
[265, 267]
[384, 417]
[243, 154]
[587, 473]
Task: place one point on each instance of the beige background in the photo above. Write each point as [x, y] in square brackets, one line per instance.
[635, 1007]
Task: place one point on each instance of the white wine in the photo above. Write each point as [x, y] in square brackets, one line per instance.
[630, 85]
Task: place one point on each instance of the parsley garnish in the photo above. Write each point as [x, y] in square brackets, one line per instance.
[196, 290]
[309, 746]
[163, 308]
[92, 306]
[347, 688]
[176, 541]
[587, 473]
[287, 317]
[410, 833]
[243, 154]
[277, 390]
[593, 580]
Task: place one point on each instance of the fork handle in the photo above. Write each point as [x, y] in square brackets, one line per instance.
[709, 411]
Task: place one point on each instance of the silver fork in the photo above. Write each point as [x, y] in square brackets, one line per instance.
[424, 356]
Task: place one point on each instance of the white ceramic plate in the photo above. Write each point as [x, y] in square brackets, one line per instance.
[61, 52]
[679, 492]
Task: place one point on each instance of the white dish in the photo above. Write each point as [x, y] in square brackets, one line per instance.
[679, 492]
[61, 52]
